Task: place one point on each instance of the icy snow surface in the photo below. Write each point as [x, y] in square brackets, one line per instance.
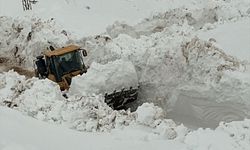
[191, 59]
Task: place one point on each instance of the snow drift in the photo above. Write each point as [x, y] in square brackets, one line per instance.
[24, 39]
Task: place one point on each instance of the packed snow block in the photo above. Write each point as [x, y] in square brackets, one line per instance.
[147, 114]
[39, 97]
[10, 85]
[101, 79]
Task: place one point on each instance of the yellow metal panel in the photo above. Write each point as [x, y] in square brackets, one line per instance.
[61, 51]
[52, 77]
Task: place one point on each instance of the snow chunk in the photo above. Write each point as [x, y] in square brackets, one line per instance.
[38, 97]
[147, 113]
[10, 85]
[166, 129]
[101, 79]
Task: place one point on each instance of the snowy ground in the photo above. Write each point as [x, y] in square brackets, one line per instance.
[19, 132]
[181, 52]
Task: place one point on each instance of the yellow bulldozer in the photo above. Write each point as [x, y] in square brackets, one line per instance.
[61, 65]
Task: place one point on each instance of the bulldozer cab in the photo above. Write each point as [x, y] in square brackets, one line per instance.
[60, 65]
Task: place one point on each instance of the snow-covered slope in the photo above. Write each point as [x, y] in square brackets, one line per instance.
[90, 17]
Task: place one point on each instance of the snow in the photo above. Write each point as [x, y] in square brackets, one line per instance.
[42, 99]
[92, 16]
[147, 114]
[101, 79]
[190, 58]
[38, 96]
[22, 132]
[226, 133]
[175, 61]
[57, 137]
[231, 37]
[9, 81]
[24, 39]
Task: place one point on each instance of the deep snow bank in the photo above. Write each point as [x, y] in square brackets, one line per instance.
[198, 14]
[216, 87]
[42, 99]
[24, 39]
[95, 16]
[175, 59]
